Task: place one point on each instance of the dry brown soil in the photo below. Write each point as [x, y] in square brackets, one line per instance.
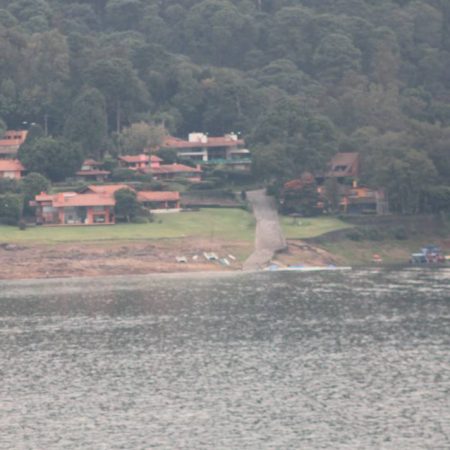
[124, 258]
[113, 258]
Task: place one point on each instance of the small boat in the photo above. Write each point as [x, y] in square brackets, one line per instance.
[211, 256]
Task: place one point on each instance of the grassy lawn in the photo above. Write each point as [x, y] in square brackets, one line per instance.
[301, 228]
[210, 223]
[392, 251]
[227, 224]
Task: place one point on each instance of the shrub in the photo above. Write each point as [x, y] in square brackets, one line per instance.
[10, 209]
[123, 175]
[354, 235]
[9, 186]
[400, 233]
[373, 234]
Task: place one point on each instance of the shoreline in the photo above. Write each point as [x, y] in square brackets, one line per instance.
[11, 283]
[144, 257]
[157, 258]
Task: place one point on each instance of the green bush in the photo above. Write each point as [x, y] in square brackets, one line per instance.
[9, 186]
[373, 234]
[355, 235]
[10, 209]
[400, 233]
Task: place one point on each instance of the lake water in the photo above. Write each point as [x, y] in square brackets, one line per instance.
[354, 360]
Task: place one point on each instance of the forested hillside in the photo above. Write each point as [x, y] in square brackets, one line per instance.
[300, 79]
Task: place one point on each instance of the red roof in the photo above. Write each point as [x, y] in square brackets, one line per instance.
[108, 189]
[158, 196]
[61, 200]
[222, 141]
[174, 168]
[344, 165]
[11, 165]
[44, 197]
[91, 162]
[134, 158]
[154, 158]
[13, 137]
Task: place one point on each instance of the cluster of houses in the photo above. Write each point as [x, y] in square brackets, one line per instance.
[203, 150]
[352, 198]
[95, 204]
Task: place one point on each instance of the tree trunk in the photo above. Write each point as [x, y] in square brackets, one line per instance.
[118, 116]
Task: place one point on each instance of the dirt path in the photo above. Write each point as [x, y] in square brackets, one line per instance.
[269, 237]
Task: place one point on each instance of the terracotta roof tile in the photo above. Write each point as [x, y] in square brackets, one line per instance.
[13, 165]
[134, 158]
[158, 196]
[13, 138]
[108, 189]
[91, 162]
[83, 200]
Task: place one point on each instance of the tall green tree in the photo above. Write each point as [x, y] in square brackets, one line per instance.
[31, 185]
[87, 122]
[56, 159]
[123, 90]
[139, 137]
[127, 206]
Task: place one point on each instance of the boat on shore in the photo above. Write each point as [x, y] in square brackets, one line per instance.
[431, 254]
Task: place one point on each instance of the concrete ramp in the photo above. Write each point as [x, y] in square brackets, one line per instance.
[269, 238]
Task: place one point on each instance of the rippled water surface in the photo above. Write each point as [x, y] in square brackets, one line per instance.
[353, 360]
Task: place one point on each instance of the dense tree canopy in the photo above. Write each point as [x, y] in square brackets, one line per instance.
[299, 79]
[57, 159]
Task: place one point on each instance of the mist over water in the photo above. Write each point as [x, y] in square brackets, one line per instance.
[352, 360]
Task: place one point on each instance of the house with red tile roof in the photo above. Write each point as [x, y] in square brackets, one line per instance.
[90, 171]
[134, 162]
[152, 164]
[11, 168]
[95, 205]
[349, 197]
[106, 189]
[159, 201]
[11, 141]
[175, 170]
[71, 208]
[227, 150]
